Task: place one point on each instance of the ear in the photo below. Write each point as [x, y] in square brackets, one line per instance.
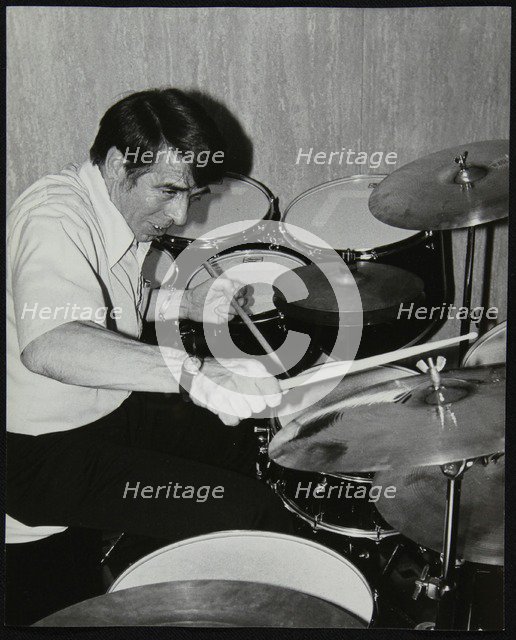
[114, 164]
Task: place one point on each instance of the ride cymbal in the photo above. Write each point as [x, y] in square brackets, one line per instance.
[438, 193]
[418, 508]
[398, 424]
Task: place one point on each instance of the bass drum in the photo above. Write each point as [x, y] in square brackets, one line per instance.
[258, 556]
[338, 213]
[491, 348]
[341, 503]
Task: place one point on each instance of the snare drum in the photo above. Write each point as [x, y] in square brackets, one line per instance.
[257, 556]
[342, 503]
[338, 213]
[235, 199]
[262, 310]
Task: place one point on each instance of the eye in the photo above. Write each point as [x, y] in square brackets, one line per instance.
[171, 193]
[199, 194]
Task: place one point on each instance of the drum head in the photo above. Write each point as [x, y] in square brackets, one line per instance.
[257, 556]
[491, 348]
[263, 262]
[233, 200]
[338, 213]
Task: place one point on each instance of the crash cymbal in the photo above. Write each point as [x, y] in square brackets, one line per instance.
[399, 424]
[418, 508]
[435, 193]
[204, 603]
[382, 289]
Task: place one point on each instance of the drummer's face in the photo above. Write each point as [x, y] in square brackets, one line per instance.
[158, 198]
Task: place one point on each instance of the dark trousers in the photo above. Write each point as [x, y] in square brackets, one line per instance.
[86, 477]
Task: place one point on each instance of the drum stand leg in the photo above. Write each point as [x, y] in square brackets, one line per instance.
[468, 288]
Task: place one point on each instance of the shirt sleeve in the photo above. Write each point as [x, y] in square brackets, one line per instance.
[54, 276]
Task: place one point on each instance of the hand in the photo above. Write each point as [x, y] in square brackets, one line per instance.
[209, 301]
[237, 393]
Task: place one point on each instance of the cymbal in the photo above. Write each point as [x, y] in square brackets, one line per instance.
[382, 289]
[204, 603]
[398, 424]
[418, 509]
[430, 193]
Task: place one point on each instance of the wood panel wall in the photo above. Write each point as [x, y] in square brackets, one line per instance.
[410, 81]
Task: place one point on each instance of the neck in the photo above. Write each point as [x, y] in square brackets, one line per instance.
[112, 187]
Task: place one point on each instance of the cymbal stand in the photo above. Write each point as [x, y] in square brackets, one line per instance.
[466, 178]
[468, 288]
[443, 588]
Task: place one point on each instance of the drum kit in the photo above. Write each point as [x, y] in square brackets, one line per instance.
[434, 438]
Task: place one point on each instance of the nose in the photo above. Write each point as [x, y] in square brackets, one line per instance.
[178, 210]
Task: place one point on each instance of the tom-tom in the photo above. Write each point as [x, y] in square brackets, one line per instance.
[258, 556]
[341, 503]
[237, 200]
[491, 348]
[338, 213]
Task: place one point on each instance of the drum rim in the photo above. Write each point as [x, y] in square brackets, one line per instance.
[246, 533]
[498, 328]
[242, 178]
[379, 249]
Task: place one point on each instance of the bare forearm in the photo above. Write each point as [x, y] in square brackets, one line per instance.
[86, 354]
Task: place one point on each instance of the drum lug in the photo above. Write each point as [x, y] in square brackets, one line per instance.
[317, 519]
[277, 485]
[320, 487]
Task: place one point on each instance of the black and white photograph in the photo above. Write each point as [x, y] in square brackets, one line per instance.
[256, 307]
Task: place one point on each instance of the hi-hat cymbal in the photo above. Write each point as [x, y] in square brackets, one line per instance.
[399, 424]
[382, 289]
[204, 603]
[418, 508]
[434, 193]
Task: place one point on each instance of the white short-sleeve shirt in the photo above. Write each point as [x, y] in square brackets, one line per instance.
[70, 256]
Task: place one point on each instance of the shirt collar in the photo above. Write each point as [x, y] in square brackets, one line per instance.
[117, 233]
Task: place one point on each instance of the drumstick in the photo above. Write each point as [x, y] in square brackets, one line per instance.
[248, 322]
[339, 369]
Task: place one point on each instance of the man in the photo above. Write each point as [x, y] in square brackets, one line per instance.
[81, 447]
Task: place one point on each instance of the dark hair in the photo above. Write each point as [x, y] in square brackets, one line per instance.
[157, 118]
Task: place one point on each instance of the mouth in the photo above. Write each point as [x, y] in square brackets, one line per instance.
[159, 230]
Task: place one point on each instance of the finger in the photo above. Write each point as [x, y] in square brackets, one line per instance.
[228, 419]
[228, 286]
[239, 406]
[256, 402]
[271, 391]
